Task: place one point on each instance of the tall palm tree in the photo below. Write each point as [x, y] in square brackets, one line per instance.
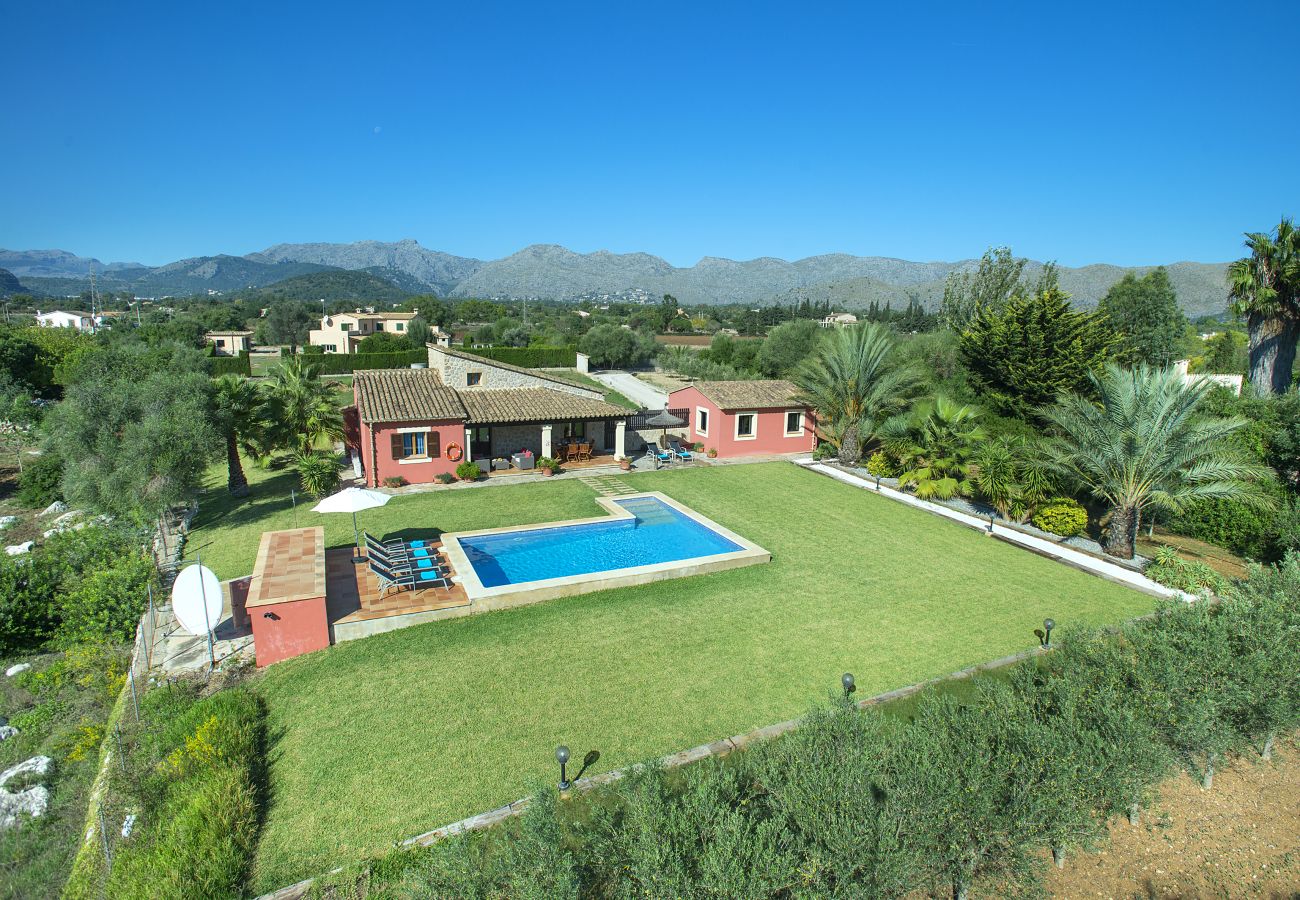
[1265, 288]
[936, 445]
[301, 406]
[1143, 445]
[854, 383]
[238, 409]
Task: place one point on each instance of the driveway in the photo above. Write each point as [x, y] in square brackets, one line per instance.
[632, 388]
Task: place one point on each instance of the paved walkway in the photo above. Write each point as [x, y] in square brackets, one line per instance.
[607, 485]
[1048, 548]
[633, 388]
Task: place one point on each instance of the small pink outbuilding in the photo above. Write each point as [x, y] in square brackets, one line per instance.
[743, 418]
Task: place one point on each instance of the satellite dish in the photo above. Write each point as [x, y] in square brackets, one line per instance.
[197, 600]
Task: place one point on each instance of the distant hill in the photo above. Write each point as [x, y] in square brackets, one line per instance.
[330, 285]
[553, 272]
[10, 285]
[55, 264]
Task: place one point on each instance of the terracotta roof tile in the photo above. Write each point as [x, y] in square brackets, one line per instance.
[534, 405]
[405, 395]
[748, 394]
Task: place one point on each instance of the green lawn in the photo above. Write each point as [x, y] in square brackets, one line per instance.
[389, 736]
[611, 396]
[226, 531]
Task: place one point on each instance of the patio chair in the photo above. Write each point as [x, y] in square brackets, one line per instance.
[675, 446]
[584, 452]
[409, 581]
[663, 456]
[397, 545]
[401, 561]
[571, 453]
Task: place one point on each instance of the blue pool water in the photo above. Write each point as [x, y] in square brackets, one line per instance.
[658, 534]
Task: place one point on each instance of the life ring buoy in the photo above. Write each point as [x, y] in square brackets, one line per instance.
[453, 451]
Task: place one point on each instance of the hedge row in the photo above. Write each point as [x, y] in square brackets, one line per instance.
[230, 365]
[344, 363]
[530, 357]
[957, 793]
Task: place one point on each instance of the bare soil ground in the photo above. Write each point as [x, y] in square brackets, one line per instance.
[1222, 561]
[1239, 839]
[28, 527]
[663, 380]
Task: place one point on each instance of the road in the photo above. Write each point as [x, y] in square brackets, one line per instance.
[632, 388]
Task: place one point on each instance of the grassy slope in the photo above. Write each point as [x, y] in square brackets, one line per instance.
[386, 737]
[227, 531]
[611, 396]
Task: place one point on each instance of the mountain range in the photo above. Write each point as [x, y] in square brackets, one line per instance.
[549, 271]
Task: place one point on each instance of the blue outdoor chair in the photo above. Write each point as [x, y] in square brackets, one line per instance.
[676, 447]
[390, 579]
[663, 456]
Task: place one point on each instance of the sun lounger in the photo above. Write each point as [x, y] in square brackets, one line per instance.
[677, 451]
[663, 456]
[390, 579]
[401, 560]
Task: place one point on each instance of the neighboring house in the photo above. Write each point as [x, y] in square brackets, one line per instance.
[406, 420]
[59, 318]
[839, 320]
[341, 332]
[230, 343]
[1231, 382]
[741, 418]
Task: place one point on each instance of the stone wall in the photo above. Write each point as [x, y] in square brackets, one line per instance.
[453, 369]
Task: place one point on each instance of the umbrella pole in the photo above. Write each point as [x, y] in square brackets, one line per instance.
[356, 534]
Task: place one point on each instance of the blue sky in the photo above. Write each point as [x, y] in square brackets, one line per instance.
[1133, 133]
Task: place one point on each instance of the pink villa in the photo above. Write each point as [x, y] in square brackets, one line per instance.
[417, 424]
[742, 418]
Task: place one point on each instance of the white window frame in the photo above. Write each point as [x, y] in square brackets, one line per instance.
[746, 437]
[702, 432]
[798, 432]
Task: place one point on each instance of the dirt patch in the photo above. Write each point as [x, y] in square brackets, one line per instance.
[29, 526]
[663, 380]
[1222, 561]
[1239, 839]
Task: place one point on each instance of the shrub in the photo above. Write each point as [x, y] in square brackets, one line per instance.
[106, 605]
[880, 464]
[318, 474]
[1171, 570]
[468, 471]
[345, 363]
[395, 481]
[547, 462]
[824, 451]
[230, 365]
[41, 482]
[1063, 516]
[1245, 530]
[444, 478]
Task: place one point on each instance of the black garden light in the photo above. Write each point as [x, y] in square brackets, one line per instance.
[562, 757]
[849, 687]
[1048, 625]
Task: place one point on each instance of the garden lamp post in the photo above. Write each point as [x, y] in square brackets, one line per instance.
[849, 687]
[1048, 625]
[562, 757]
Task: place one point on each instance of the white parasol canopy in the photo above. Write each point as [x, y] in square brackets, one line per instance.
[352, 500]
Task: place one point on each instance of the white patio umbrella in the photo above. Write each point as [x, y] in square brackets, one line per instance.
[352, 500]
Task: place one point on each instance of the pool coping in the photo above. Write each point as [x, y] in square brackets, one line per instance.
[570, 585]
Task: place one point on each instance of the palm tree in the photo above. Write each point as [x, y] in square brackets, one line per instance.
[936, 445]
[1012, 477]
[301, 406]
[1143, 445]
[238, 409]
[854, 384]
[1265, 288]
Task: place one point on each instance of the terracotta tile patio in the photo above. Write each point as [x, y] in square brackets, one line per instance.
[352, 593]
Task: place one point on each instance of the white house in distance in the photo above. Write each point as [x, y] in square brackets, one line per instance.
[60, 318]
[839, 320]
[341, 332]
[1231, 382]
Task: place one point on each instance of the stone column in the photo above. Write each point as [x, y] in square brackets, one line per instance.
[546, 439]
[620, 438]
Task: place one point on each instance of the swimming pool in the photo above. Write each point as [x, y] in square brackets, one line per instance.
[646, 537]
[655, 533]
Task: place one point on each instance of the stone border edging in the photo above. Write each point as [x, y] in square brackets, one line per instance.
[715, 749]
[1067, 555]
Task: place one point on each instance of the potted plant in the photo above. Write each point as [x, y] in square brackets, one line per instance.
[548, 466]
[468, 471]
[625, 464]
[394, 481]
[444, 478]
[713, 453]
